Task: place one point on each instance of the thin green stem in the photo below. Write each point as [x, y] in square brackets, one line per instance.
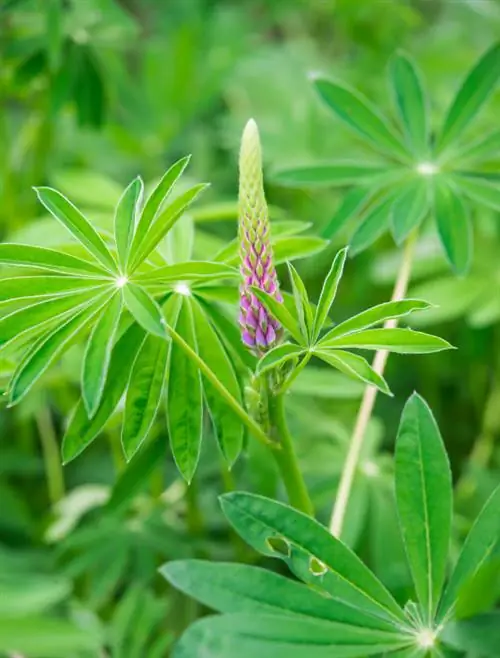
[287, 459]
[51, 456]
[368, 401]
[252, 425]
[296, 372]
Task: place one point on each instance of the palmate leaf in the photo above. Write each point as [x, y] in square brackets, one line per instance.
[424, 501]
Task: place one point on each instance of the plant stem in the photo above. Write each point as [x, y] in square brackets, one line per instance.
[287, 459]
[368, 401]
[50, 449]
[296, 372]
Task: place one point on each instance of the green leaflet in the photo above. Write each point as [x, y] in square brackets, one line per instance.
[352, 202]
[424, 501]
[401, 341]
[47, 349]
[478, 636]
[329, 291]
[64, 211]
[305, 546]
[184, 398]
[454, 226]
[45, 636]
[125, 215]
[480, 191]
[144, 393]
[144, 309]
[241, 588]
[479, 545]
[302, 305]
[48, 259]
[293, 247]
[373, 224]
[411, 102]
[279, 355]
[279, 311]
[25, 287]
[228, 427]
[409, 209]
[471, 96]
[189, 271]
[354, 366]
[375, 315]
[82, 430]
[98, 353]
[356, 112]
[335, 173]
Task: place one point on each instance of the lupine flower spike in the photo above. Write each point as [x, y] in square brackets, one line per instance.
[260, 331]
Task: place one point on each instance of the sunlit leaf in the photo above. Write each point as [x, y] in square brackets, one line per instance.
[279, 355]
[301, 299]
[279, 311]
[47, 259]
[329, 291]
[402, 341]
[125, 216]
[411, 102]
[144, 309]
[354, 366]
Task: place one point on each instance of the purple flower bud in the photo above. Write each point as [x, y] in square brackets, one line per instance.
[259, 330]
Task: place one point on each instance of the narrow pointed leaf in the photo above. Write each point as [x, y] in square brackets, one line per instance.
[82, 430]
[153, 205]
[373, 225]
[143, 246]
[353, 201]
[478, 636]
[190, 271]
[278, 356]
[25, 287]
[184, 399]
[482, 540]
[424, 500]
[354, 366]
[475, 90]
[409, 209]
[262, 521]
[279, 311]
[98, 353]
[329, 174]
[65, 212]
[293, 247]
[356, 112]
[48, 259]
[228, 427]
[480, 191]
[144, 393]
[329, 291]
[410, 100]
[376, 315]
[144, 309]
[454, 227]
[301, 299]
[125, 216]
[401, 341]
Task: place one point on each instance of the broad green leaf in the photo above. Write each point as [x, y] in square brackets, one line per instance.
[39, 312]
[47, 349]
[47, 259]
[329, 291]
[278, 356]
[153, 205]
[375, 315]
[248, 635]
[191, 271]
[313, 554]
[454, 227]
[125, 215]
[136, 475]
[356, 112]
[373, 224]
[302, 305]
[409, 209]
[352, 202]
[184, 399]
[328, 174]
[82, 430]
[279, 311]
[401, 341]
[65, 212]
[480, 191]
[38, 637]
[472, 95]
[410, 101]
[424, 501]
[481, 541]
[98, 353]
[144, 309]
[144, 393]
[24, 287]
[143, 246]
[228, 427]
[354, 366]
[478, 636]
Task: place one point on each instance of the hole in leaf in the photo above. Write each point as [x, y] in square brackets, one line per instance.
[316, 567]
[279, 545]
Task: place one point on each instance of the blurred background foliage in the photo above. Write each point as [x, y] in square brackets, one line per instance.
[94, 92]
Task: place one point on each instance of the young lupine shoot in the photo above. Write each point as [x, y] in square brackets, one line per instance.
[259, 329]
